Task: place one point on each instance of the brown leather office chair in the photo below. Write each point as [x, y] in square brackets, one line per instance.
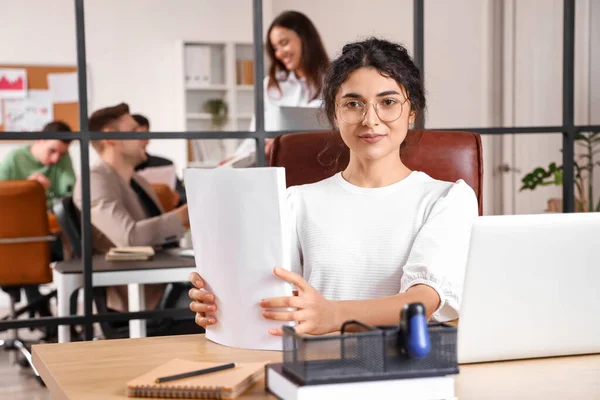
[444, 155]
[24, 247]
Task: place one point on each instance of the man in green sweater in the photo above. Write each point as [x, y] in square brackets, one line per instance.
[45, 161]
[48, 162]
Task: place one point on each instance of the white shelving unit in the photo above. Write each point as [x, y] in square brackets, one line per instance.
[215, 78]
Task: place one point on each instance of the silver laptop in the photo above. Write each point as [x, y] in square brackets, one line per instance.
[532, 288]
[296, 119]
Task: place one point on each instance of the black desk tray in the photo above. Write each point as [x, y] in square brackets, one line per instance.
[368, 355]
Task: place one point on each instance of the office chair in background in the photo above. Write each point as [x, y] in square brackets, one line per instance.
[24, 252]
[445, 155]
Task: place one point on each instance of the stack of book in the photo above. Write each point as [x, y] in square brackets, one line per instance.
[431, 388]
[136, 253]
[377, 362]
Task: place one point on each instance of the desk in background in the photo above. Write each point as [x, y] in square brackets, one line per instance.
[101, 369]
[163, 268]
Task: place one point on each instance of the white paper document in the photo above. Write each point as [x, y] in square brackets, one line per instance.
[64, 87]
[30, 114]
[164, 174]
[239, 223]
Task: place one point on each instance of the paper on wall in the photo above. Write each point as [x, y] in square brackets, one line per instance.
[64, 87]
[13, 83]
[159, 175]
[239, 224]
[29, 114]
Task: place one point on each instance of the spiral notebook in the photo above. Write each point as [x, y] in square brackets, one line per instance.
[227, 384]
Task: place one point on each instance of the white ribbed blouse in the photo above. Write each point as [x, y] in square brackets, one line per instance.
[353, 243]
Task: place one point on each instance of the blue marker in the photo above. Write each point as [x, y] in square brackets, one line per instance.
[413, 324]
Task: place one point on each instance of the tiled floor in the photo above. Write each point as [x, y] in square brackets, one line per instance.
[16, 382]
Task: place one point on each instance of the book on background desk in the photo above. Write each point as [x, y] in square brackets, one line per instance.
[135, 253]
[226, 384]
[434, 388]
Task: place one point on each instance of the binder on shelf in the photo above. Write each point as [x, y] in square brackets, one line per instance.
[245, 72]
[198, 65]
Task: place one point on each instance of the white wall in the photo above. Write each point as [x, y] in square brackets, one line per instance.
[595, 64]
[459, 73]
[594, 81]
[132, 51]
[340, 22]
[457, 63]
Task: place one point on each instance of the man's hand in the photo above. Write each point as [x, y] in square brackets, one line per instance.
[41, 178]
[182, 213]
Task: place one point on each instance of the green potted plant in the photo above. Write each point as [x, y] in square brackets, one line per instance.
[584, 174]
[218, 110]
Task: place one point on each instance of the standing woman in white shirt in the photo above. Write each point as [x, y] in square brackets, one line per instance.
[298, 63]
[377, 235]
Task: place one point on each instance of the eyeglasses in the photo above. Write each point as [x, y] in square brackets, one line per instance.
[388, 109]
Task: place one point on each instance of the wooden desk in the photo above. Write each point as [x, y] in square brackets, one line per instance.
[100, 370]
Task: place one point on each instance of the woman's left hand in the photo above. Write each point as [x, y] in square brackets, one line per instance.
[315, 314]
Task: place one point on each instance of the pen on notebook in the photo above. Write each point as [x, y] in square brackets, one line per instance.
[195, 373]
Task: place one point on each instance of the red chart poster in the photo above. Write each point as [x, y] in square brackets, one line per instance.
[13, 83]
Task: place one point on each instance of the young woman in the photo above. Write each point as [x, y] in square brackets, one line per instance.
[298, 65]
[376, 236]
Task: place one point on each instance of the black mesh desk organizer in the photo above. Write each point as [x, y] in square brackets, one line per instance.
[370, 354]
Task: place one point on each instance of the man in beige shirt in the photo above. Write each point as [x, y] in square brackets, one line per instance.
[125, 210]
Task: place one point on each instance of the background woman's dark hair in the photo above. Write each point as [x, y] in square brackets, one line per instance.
[58, 126]
[314, 57]
[390, 59]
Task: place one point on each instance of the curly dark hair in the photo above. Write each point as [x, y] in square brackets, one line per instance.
[390, 59]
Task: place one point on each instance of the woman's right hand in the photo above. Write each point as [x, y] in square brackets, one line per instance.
[203, 301]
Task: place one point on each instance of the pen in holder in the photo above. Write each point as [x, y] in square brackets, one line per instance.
[413, 337]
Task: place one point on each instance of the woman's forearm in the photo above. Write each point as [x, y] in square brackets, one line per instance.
[386, 310]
